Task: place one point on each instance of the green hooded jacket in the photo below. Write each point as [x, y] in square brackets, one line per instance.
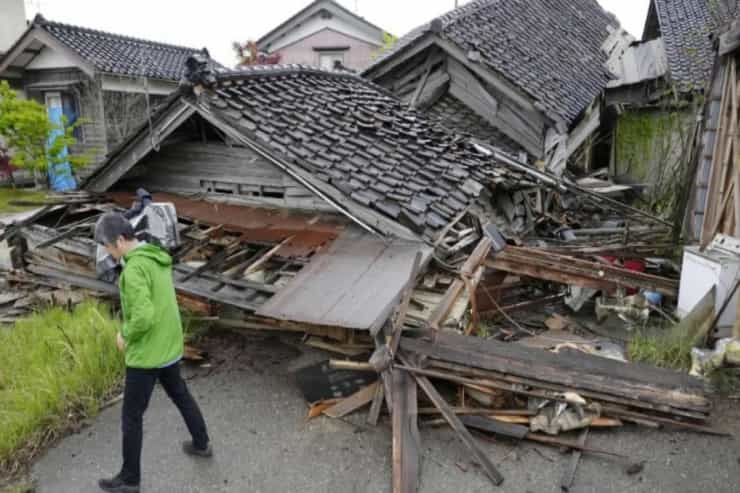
[151, 319]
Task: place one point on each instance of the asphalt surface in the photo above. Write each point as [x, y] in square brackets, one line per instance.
[263, 443]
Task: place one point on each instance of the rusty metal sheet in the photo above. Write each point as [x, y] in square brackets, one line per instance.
[355, 283]
[309, 231]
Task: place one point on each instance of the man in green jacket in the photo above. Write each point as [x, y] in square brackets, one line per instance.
[151, 337]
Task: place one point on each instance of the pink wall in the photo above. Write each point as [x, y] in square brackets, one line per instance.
[358, 55]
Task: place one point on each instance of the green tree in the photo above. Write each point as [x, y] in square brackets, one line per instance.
[31, 138]
[388, 41]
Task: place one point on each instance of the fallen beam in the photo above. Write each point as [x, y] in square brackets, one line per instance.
[406, 440]
[542, 264]
[462, 432]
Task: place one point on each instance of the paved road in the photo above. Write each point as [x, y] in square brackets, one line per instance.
[263, 444]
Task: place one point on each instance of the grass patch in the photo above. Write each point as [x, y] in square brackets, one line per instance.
[24, 486]
[727, 381]
[8, 195]
[56, 367]
[665, 349]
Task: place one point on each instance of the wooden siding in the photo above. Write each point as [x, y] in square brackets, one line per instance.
[87, 94]
[440, 74]
[215, 168]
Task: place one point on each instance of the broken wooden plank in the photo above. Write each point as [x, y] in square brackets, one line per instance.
[462, 432]
[576, 371]
[375, 407]
[406, 440]
[542, 264]
[570, 471]
[400, 313]
[350, 365]
[267, 256]
[522, 433]
[442, 310]
[352, 403]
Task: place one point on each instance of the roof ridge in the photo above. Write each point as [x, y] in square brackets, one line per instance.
[294, 68]
[43, 22]
[463, 11]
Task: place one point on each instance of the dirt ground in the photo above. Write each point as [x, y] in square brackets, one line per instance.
[263, 443]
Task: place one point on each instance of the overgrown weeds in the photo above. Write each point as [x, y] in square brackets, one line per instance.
[8, 195]
[56, 368]
[666, 349]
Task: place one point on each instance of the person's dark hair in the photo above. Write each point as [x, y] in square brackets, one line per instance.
[111, 226]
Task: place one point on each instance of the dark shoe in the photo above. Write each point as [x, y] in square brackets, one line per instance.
[116, 485]
[191, 449]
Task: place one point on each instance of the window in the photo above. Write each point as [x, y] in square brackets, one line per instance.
[328, 60]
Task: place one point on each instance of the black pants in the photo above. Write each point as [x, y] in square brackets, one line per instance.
[138, 390]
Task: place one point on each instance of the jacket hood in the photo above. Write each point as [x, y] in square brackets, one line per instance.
[150, 251]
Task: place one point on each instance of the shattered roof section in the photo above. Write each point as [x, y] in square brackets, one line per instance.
[122, 55]
[356, 138]
[641, 62]
[687, 27]
[551, 49]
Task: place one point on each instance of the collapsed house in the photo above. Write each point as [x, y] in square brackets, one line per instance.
[316, 202]
[522, 75]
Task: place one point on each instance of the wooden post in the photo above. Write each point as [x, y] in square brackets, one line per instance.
[406, 440]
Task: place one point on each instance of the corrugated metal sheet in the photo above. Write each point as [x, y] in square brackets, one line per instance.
[641, 62]
[354, 284]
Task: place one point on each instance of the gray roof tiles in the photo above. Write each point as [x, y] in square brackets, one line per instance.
[354, 136]
[550, 49]
[121, 55]
[687, 27]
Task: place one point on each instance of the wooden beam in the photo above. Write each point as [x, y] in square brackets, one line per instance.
[569, 476]
[267, 256]
[377, 404]
[400, 314]
[443, 308]
[489, 76]
[379, 72]
[406, 439]
[466, 87]
[352, 403]
[462, 432]
[423, 81]
[136, 149]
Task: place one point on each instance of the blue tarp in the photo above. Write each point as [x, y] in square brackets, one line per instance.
[60, 175]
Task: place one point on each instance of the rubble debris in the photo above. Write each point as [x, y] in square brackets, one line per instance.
[725, 353]
[352, 403]
[569, 475]
[320, 382]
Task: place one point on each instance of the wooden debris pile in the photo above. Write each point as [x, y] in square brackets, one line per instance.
[541, 383]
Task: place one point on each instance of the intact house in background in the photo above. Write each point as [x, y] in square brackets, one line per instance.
[110, 80]
[523, 75]
[326, 35]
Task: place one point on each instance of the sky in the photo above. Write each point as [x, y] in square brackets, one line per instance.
[216, 24]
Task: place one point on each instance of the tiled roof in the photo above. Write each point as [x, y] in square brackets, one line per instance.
[455, 115]
[121, 55]
[687, 27]
[550, 49]
[355, 137]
